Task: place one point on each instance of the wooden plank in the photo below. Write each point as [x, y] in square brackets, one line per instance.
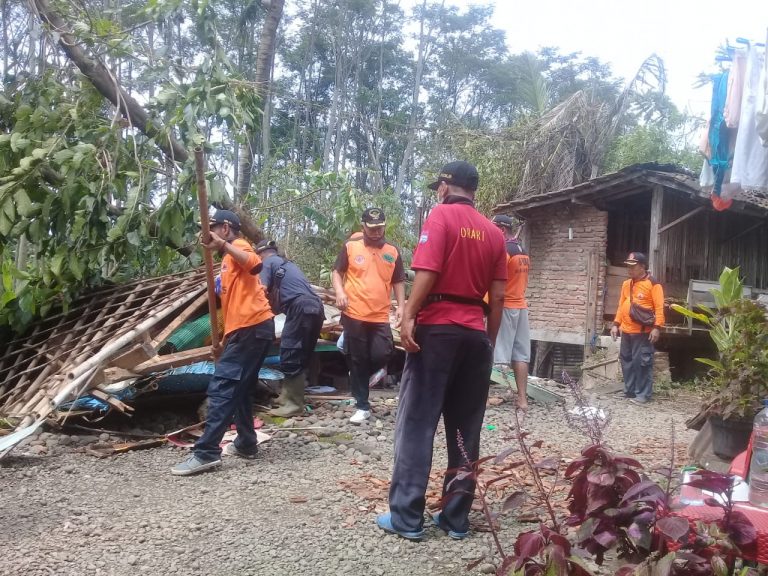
[535, 392]
[110, 375]
[682, 218]
[185, 315]
[160, 363]
[136, 355]
[657, 202]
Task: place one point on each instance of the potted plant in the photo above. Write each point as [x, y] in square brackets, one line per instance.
[739, 377]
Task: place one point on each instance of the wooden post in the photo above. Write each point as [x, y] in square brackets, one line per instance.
[591, 312]
[202, 199]
[657, 202]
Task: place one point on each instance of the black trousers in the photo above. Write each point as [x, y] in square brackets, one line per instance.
[229, 391]
[367, 346]
[449, 376]
[636, 356]
[304, 319]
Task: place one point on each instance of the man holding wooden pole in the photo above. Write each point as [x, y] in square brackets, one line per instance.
[249, 329]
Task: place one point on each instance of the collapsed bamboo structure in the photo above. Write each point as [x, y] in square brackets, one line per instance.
[112, 330]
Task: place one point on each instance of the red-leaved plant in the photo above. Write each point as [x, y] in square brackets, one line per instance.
[611, 503]
[613, 506]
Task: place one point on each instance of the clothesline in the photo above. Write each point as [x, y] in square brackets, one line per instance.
[735, 144]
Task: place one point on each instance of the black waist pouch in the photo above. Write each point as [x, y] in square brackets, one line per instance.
[643, 316]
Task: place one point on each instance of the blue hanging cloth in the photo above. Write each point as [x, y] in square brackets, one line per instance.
[718, 132]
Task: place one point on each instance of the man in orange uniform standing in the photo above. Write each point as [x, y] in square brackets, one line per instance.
[249, 329]
[513, 344]
[639, 318]
[365, 272]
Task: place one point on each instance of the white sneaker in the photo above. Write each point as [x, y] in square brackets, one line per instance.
[360, 416]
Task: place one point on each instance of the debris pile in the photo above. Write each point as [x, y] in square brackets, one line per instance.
[113, 345]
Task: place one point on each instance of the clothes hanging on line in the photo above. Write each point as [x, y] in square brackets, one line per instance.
[736, 141]
[762, 104]
[719, 137]
[735, 91]
[750, 157]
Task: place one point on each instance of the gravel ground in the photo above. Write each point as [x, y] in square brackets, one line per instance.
[288, 512]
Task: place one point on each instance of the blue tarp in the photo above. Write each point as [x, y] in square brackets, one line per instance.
[184, 380]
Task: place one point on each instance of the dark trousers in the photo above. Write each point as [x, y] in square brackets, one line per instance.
[449, 376]
[229, 391]
[304, 317]
[367, 346]
[636, 356]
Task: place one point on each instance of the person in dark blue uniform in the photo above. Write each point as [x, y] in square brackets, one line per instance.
[304, 316]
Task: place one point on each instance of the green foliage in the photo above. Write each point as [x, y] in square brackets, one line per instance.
[739, 329]
[651, 144]
[77, 197]
[214, 95]
[85, 199]
[332, 224]
[722, 327]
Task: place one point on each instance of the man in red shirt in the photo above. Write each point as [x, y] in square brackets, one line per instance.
[249, 329]
[513, 346]
[639, 318]
[460, 257]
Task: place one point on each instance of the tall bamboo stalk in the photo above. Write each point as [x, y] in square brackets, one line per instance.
[202, 198]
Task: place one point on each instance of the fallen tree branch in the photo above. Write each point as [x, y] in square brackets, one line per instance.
[108, 86]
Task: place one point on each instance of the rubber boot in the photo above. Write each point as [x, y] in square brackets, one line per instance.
[280, 400]
[293, 404]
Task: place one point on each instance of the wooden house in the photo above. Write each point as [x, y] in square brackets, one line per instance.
[578, 238]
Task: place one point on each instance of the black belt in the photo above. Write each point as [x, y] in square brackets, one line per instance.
[432, 298]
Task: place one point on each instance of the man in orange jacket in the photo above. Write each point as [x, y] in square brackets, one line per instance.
[249, 329]
[366, 271]
[639, 318]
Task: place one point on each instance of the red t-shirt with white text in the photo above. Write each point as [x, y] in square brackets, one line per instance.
[468, 252]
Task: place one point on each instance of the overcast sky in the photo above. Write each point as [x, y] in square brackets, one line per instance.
[685, 33]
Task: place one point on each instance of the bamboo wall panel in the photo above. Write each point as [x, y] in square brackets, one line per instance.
[700, 247]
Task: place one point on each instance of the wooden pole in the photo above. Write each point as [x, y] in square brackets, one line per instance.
[657, 201]
[202, 198]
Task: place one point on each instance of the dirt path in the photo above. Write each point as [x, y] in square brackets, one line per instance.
[302, 508]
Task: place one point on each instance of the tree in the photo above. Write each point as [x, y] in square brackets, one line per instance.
[264, 60]
[102, 101]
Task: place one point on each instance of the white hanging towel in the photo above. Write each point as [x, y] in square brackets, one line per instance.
[750, 158]
[762, 103]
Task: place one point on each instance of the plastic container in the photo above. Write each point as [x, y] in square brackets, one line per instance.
[689, 495]
[758, 468]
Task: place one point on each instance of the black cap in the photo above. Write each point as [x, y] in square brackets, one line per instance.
[266, 245]
[222, 216]
[503, 220]
[636, 258]
[458, 173]
[374, 217]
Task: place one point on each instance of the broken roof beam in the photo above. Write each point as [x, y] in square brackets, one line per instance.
[682, 218]
[147, 349]
[185, 315]
[118, 344]
[166, 361]
[107, 298]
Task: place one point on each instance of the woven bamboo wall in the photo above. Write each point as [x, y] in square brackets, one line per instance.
[700, 247]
